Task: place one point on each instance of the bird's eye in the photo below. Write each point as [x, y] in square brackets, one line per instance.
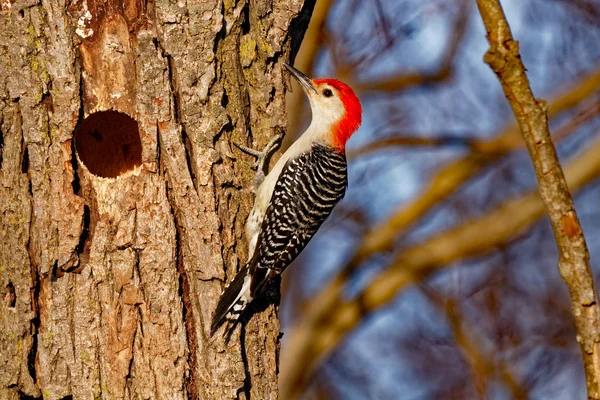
[327, 93]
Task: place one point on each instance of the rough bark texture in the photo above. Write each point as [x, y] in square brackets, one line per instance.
[117, 235]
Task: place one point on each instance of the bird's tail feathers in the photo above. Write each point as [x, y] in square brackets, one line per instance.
[232, 303]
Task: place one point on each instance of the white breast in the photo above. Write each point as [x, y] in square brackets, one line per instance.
[316, 133]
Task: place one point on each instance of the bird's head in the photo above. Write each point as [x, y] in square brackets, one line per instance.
[335, 107]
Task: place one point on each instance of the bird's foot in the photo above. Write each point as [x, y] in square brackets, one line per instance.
[261, 157]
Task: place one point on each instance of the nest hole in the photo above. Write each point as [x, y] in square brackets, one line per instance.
[108, 143]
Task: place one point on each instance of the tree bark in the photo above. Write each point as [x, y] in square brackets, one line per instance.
[122, 200]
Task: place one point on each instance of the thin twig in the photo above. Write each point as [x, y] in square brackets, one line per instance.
[444, 71]
[470, 141]
[531, 113]
[382, 236]
[483, 364]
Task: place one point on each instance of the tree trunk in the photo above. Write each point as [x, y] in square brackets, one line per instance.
[122, 199]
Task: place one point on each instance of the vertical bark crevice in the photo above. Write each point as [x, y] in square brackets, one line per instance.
[177, 114]
[246, 19]
[128, 378]
[160, 168]
[85, 231]
[34, 272]
[186, 299]
[56, 273]
[35, 324]
[25, 160]
[1, 145]
[101, 319]
[75, 183]
[11, 296]
[189, 156]
[247, 389]
[174, 87]
[222, 33]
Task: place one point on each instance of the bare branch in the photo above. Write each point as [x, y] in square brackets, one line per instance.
[414, 141]
[586, 8]
[588, 113]
[482, 363]
[445, 182]
[444, 71]
[469, 141]
[531, 113]
[382, 236]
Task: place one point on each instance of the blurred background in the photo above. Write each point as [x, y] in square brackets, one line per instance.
[439, 157]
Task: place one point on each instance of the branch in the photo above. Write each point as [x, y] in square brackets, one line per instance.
[469, 141]
[444, 71]
[404, 140]
[483, 363]
[382, 236]
[586, 8]
[585, 115]
[331, 316]
[574, 266]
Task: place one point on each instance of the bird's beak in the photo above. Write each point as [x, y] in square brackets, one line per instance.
[304, 80]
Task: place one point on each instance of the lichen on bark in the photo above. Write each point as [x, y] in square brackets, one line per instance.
[108, 284]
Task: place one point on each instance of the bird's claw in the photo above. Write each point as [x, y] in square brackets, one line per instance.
[261, 157]
[249, 150]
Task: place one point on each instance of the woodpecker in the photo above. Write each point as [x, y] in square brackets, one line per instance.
[296, 197]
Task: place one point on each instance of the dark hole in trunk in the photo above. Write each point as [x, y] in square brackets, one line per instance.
[108, 143]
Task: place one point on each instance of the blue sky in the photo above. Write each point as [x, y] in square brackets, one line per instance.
[472, 104]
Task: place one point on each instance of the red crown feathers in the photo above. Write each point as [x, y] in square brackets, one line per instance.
[351, 120]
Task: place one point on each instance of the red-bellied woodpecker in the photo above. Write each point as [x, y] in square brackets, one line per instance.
[297, 195]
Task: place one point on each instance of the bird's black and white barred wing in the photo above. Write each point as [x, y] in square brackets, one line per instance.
[306, 192]
[307, 189]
